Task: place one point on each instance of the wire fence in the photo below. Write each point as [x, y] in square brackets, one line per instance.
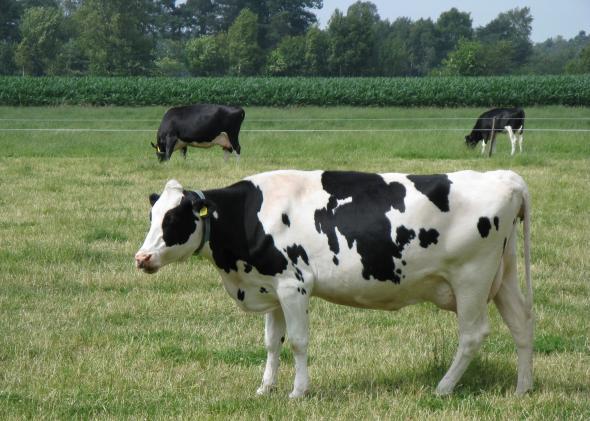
[289, 130]
[584, 120]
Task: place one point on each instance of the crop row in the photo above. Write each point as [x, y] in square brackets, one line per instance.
[408, 92]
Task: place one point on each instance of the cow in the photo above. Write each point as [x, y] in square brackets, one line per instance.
[376, 241]
[494, 121]
[200, 125]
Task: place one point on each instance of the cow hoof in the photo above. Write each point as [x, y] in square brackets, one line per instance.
[265, 389]
[443, 389]
[297, 394]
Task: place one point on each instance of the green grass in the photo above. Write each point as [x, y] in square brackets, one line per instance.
[84, 335]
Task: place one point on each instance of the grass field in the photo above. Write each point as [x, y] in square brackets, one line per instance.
[84, 335]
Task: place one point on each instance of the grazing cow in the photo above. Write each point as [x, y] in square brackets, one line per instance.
[201, 125]
[494, 121]
[378, 241]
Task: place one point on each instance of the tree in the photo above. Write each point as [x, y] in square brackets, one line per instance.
[514, 27]
[41, 38]
[394, 57]
[316, 45]
[451, 27]
[581, 64]
[465, 60]
[9, 20]
[245, 54]
[288, 59]
[473, 58]
[207, 55]
[200, 17]
[116, 36]
[276, 18]
[352, 39]
[421, 45]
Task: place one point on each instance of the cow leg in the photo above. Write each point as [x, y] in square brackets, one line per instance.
[511, 305]
[512, 138]
[274, 335]
[183, 150]
[226, 154]
[520, 138]
[483, 146]
[295, 307]
[472, 315]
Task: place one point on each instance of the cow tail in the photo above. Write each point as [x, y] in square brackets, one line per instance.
[526, 211]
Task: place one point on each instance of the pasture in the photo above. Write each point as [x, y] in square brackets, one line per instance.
[84, 335]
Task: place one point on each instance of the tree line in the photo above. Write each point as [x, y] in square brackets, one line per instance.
[268, 37]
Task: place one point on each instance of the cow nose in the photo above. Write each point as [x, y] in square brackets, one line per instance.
[141, 259]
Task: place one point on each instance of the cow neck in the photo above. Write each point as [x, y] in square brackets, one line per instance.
[206, 229]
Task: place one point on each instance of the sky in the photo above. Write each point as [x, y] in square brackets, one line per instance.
[550, 17]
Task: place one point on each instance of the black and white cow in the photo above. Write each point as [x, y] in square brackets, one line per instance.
[201, 125]
[494, 121]
[379, 241]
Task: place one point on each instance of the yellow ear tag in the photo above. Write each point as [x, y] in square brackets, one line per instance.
[158, 149]
[203, 212]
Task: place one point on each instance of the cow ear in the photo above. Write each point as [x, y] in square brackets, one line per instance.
[204, 207]
[154, 146]
[154, 198]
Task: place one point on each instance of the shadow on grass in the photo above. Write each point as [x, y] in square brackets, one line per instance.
[482, 376]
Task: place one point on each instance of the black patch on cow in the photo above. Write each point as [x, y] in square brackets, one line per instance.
[497, 223]
[484, 226]
[178, 224]
[237, 233]
[302, 291]
[404, 262]
[241, 294]
[247, 267]
[286, 220]
[428, 237]
[504, 245]
[295, 252]
[435, 187]
[263, 290]
[335, 260]
[282, 339]
[299, 274]
[398, 271]
[362, 220]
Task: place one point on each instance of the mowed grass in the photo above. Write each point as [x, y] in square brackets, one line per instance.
[84, 335]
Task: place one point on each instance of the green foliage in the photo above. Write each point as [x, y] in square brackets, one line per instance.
[245, 54]
[581, 64]
[513, 27]
[410, 92]
[115, 36]
[7, 64]
[207, 55]
[288, 59]
[42, 36]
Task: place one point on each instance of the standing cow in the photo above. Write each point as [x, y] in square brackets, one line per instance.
[379, 241]
[201, 125]
[494, 121]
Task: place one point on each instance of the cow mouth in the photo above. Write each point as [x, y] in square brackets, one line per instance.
[145, 268]
[149, 270]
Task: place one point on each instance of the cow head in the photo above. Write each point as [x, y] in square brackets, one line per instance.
[160, 148]
[177, 228]
[472, 138]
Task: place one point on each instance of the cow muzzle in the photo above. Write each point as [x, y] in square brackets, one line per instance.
[144, 261]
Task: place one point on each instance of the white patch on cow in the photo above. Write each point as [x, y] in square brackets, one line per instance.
[341, 202]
